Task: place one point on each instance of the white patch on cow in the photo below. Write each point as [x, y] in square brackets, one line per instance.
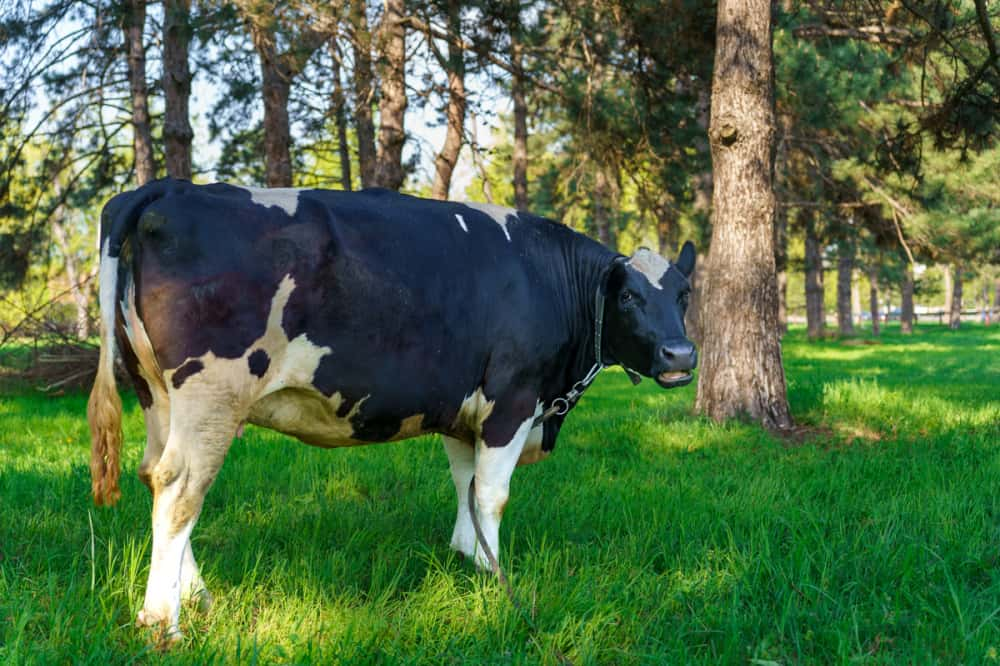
[462, 461]
[138, 338]
[461, 222]
[284, 399]
[533, 452]
[473, 413]
[108, 286]
[494, 467]
[285, 198]
[650, 264]
[500, 214]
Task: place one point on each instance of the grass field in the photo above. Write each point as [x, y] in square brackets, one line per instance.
[650, 536]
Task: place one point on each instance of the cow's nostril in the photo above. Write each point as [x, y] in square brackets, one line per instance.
[666, 354]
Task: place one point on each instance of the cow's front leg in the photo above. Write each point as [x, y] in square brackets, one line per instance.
[494, 466]
[462, 460]
[190, 461]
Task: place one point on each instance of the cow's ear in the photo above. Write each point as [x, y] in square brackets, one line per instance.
[615, 276]
[685, 262]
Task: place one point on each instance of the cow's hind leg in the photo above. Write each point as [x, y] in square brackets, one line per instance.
[157, 417]
[462, 459]
[494, 467]
[200, 434]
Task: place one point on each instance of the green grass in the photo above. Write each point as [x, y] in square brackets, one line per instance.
[650, 536]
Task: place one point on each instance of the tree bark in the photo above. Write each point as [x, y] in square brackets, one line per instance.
[948, 288]
[906, 304]
[142, 137]
[741, 370]
[73, 274]
[815, 292]
[177, 132]
[444, 164]
[845, 271]
[520, 156]
[278, 70]
[873, 298]
[996, 301]
[392, 105]
[276, 87]
[364, 93]
[602, 208]
[955, 311]
[339, 102]
[781, 265]
[856, 298]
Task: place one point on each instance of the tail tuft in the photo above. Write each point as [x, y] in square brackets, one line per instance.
[104, 412]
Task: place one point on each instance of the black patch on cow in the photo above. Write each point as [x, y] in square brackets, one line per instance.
[259, 362]
[185, 371]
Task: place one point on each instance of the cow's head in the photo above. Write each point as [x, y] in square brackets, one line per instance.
[646, 299]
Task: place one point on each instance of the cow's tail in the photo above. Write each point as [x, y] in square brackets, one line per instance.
[104, 410]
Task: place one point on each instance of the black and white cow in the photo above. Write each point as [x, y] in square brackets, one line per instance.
[350, 318]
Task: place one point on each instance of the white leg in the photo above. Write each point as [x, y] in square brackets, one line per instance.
[192, 586]
[494, 467]
[462, 459]
[191, 459]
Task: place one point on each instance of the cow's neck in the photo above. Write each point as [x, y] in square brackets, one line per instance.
[588, 264]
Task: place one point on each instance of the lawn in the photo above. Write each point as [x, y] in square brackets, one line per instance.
[650, 536]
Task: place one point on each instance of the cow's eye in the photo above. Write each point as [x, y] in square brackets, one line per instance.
[682, 300]
[626, 297]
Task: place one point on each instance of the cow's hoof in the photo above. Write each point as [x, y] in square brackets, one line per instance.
[166, 635]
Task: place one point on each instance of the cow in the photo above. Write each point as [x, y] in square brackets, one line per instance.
[349, 318]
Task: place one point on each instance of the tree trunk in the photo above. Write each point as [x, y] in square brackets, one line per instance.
[339, 102]
[996, 301]
[364, 93]
[741, 371]
[392, 105]
[955, 312]
[948, 288]
[445, 162]
[873, 298]
[781, 264]
[177, 132]
[76, 287]
[602, 208]
[520, 156]
[856, 298]
[906, 298]
[142, 138]
[845, 270]
[815, 293]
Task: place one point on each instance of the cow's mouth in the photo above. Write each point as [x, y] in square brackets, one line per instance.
[673, 379]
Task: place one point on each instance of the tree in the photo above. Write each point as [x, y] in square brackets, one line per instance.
[364, 91]
[454, 66]
[177, 132]
[815, 292]
[278, 68]
[392, 102]
[741, 350]
[142, 138]
[517, 95]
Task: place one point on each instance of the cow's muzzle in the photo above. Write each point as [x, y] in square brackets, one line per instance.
[675, 360]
